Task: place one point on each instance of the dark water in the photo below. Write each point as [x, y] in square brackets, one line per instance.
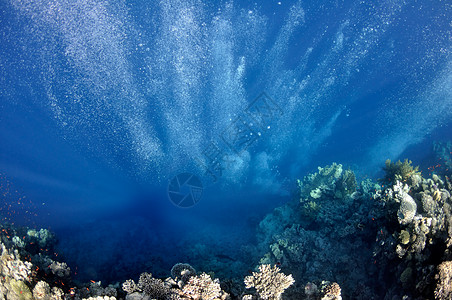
[102, 103]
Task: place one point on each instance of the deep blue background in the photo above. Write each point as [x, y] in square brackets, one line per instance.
[103, 102]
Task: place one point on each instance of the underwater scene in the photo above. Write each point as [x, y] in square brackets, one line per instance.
[189, 149]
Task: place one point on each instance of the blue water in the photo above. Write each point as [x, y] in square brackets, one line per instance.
[102, 103]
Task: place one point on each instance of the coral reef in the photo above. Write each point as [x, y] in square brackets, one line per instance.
[416, 234]
[400, 234]
[331, 181]
[269, 282]
[201, 287]
[28, 269]
[335, 244]
[336, 238]
[330, 186]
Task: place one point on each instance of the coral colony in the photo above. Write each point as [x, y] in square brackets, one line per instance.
[364, 240]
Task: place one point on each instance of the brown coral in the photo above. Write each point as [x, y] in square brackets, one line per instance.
[400, 171]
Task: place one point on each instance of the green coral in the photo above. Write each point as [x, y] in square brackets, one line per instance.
[400, 171]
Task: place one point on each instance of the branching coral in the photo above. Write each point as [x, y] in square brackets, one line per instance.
[129, 286]
[202, 287]
[153, 287]
[269, 282]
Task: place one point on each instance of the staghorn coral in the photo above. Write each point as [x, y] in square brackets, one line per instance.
[269, 282]
[202, 287]
[153, 287]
